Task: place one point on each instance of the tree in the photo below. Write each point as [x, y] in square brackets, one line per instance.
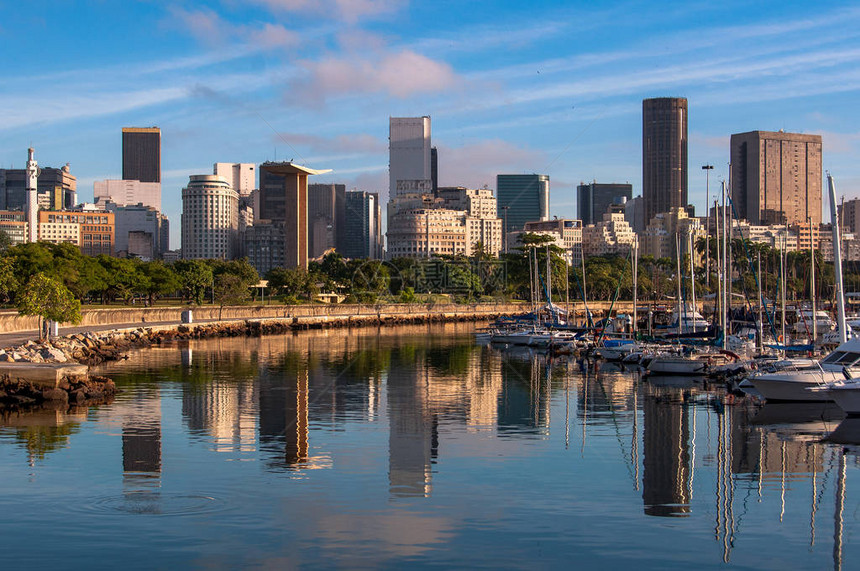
[158, 280]
[230, 289]
[124, 279]
[49, 299]
[8, 281]
[194, 277]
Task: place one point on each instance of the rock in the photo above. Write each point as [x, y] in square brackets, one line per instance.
[78, 396]
[52, 354]
[21, 399]
[55, 395]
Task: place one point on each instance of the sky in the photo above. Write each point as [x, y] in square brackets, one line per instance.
[553, 87]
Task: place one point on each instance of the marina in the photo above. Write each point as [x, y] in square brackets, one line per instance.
[249, 451]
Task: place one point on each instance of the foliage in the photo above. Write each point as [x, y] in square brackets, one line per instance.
[230, 289]
[293, 283]
[159, 280]
[8, 282]
[194, 277]
[49, 299]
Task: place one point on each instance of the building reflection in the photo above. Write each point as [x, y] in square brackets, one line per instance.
[666, 475]
[413, 432]
[524, 399]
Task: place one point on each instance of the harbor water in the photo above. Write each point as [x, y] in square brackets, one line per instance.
[414, 447]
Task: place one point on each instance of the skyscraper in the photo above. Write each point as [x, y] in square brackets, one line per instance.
[776, 177]
[526, 197]
[362, 234]
[242, 177]
[284, 202]
[593, 199]
[141, 154]
[409, 164]
[326, 217]
[210, 218]
[664, 154]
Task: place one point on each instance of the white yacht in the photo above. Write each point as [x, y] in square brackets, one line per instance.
[793, 384]
[823, 322]
[691, 321]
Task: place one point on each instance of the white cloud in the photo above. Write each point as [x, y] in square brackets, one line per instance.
[399, 74]
[209, 28]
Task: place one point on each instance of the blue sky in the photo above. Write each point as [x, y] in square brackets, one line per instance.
[545, 86]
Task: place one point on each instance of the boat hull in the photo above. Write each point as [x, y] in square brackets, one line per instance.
[795, 385]
[676, 366]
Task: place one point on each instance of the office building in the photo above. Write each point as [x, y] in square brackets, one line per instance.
[664, 154]
[849, 216]
[210, 218]
[56, 188]
[409, 160]
[141, 154]
[93, 231]
[242, 177]
[659, 238]
[141, 231]
[526, 197]
[612, 235]
[127, 193]
[14, 224]
[776, 177]
[362, 235]
[326, 218]
[284, 203]
[567, 230]
[593, 199]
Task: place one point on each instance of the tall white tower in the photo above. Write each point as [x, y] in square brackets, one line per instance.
[32, 197]
[409, 156]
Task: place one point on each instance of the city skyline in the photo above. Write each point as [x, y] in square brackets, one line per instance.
[292, 80]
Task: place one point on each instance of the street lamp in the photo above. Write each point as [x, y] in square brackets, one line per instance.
[505, 229]
[707, 169]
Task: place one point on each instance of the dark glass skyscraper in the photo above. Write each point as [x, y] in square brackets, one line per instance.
[141, 154]
[664, 154]
[594, 199]
[525, 195]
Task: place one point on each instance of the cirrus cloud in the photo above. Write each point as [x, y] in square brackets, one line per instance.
[347, 10]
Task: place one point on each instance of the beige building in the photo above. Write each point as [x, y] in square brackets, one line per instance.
[568, 230]
[659, 240]
[776, 177]
[776, 235]
[454, 223]
[210, 218]
[849, 216]
[127, 193]
[613, 235]
[14, 224]
[93, 231]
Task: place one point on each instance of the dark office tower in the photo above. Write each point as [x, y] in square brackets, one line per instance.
[593, 200]
[526, 197]
[664, 154]
[434, 168]
[326, 217]
[363, 233]
[141, 154]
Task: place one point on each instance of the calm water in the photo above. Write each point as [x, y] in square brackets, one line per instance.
[413, 447]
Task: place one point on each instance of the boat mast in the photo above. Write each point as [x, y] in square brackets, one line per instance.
[760, 327]
[726, 276]
[837, 263]
[678, 279]
[812, 281]
[635, 281]
[692, 277]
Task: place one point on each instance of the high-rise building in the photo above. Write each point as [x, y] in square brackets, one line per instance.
[593, 199]
[362, 235]
[210, 218]
[409, 156]
[56, 188]
[141, 154]
[849, 216]
[434, 168]
[664, 154]
[127, 193]
[326, 217]
[242, 177]
[776, 177]
[526, 197]
[284, 202]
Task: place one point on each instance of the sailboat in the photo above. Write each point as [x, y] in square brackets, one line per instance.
[841, 364]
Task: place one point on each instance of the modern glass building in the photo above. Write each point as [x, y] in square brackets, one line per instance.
[593, 199]
[664, 154]
[526, 197]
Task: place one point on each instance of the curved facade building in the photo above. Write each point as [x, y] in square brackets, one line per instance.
[664, 154]
[210, 218]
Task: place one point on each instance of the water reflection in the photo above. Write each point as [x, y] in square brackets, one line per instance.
[432, 431]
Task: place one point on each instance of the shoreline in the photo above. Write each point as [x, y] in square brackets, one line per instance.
[25, 382]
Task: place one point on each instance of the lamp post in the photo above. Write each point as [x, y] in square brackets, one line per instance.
[505, 229]
[707, 169]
